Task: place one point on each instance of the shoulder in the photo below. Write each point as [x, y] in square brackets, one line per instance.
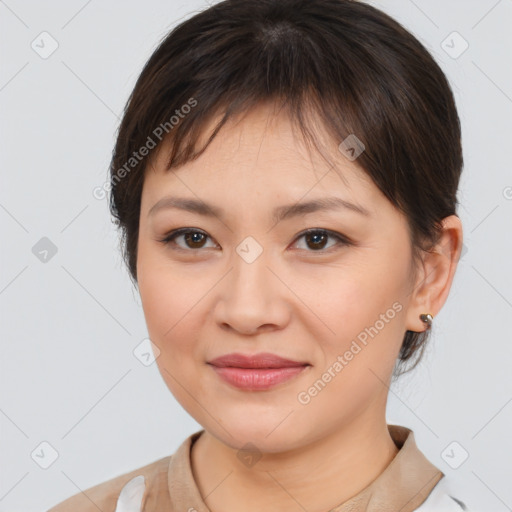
[442, 499]
[104, 496]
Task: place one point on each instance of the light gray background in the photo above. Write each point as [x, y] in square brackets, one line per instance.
[69, 325]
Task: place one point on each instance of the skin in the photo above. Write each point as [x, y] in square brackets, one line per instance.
[295, 300]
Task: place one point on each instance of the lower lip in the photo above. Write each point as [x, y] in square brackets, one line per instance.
[257, 379]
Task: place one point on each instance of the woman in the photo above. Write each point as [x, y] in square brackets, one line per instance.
[285, 180]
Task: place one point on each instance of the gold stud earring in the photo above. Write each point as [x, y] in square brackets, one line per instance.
[427, 318]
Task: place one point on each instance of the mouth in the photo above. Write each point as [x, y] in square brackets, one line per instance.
[263, 360]
[256, 372]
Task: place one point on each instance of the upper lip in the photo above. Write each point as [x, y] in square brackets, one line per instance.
[262, 360]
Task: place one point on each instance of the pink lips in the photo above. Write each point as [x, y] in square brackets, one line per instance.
[257, 372]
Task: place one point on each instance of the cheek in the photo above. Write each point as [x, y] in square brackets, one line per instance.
[166, 301]
[364, 310]
[163, 290]
[168, 305]
[352, 302]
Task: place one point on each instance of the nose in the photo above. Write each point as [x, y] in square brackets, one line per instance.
[252, 299]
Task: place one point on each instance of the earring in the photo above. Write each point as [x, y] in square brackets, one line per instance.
[427, 318]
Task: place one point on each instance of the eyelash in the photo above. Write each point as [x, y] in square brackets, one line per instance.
[344, 241]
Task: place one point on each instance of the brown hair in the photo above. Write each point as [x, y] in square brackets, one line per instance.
[357, 68]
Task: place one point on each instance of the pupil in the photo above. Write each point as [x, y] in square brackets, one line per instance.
[316, 236]
[193, 236]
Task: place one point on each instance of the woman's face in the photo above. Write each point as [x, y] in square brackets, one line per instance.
[244, 281]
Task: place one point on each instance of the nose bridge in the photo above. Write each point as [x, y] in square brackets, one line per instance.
[250, 261]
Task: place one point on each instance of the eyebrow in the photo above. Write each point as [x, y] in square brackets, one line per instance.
[279, 213]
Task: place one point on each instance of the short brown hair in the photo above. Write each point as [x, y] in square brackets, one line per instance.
[361, 71]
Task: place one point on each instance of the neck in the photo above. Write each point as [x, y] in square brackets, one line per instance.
[316, 477]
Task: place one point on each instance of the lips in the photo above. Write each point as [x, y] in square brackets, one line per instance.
[259, 372]
[257, 361]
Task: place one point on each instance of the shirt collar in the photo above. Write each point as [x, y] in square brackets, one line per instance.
[401, 487]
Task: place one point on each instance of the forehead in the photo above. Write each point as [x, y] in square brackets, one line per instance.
[262, 152]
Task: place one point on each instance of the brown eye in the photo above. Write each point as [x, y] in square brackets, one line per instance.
[193, 238]
[316, 239]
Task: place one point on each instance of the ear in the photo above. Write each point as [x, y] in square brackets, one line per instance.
[435, 275]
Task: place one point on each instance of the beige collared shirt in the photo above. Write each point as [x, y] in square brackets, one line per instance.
[403, 486]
